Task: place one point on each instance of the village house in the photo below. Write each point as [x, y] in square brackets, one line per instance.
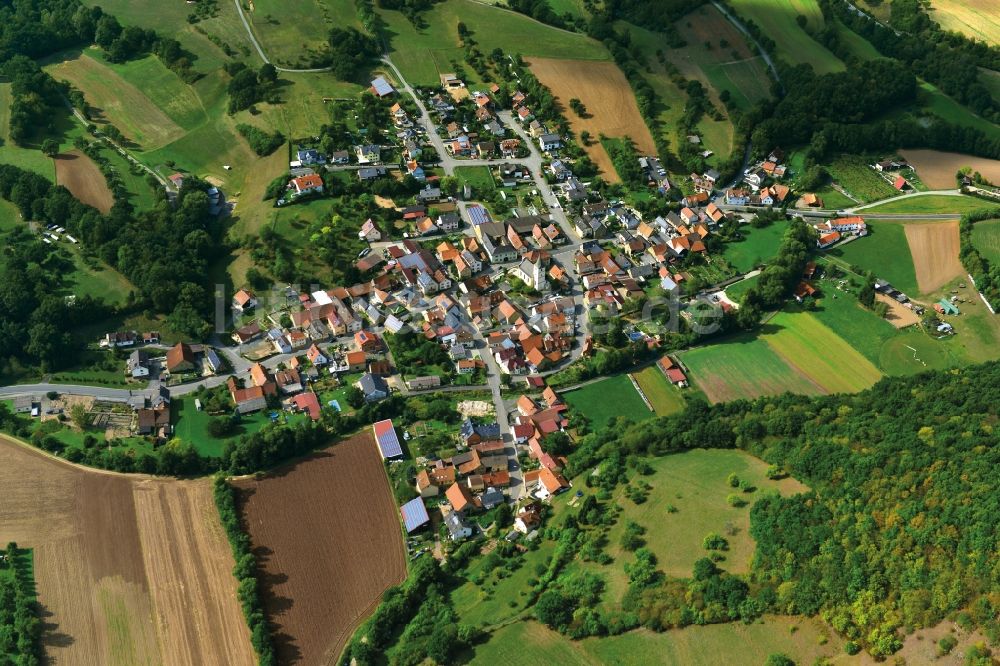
[180, 358]
[244, 300]
[373, 387]
[308, 184]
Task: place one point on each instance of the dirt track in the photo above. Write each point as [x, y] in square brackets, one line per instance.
[130, 570]
[79, 174]
[611, 107]
[934, 247]
[326, 531]
[899, 315]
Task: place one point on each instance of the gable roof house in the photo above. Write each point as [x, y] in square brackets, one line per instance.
[373, 387]
[244, 300]
[180, 358]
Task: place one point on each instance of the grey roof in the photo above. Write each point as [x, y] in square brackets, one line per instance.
[371, 384]
[491, 498]
[455, 524]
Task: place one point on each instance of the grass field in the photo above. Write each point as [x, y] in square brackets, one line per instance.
[820, 354]
[709, 645]
[986, 239]
[864, 183]
[976, 18]
[758, 246]
[287, 30]
[92, 277]
[422, 55]
[489, 602]
[930, 204]
[743, 367]
[113, 99]
[662, 395]
[933, 100]
[29, 158]
[735, 291]
[695, 483]
[883, 251]
[777, 19]
[606, 399]
[795, 352]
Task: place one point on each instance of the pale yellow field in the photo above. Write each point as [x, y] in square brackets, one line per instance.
[979, 19]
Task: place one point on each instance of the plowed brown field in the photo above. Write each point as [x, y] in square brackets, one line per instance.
[78, 174]
[129, 569]
[611, 107]
[934, 247]
[937, 168]
[326, 532]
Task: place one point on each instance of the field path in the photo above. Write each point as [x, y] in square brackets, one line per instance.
[129, 569]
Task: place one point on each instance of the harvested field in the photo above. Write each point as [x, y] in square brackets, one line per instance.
[129, 569]
[608, 98]
[937, 169]
[934, 247]
[975, 18]
[899, 315]
[78, 174]
[328, 537]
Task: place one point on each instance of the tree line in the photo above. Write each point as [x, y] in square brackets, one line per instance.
[245, 571]
[20, 627]
[985, 273]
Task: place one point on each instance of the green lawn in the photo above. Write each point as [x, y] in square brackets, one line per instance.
[860, 327]
[832, 199]
[930, 204]
[479, 177]
[859, 47]
[529, 642]
[664, 396]
[986, 239]
[757, 247]
[423, 54]
[608, 398]
[191, 425]
[777, 20]
[885, 252]
[735, 291]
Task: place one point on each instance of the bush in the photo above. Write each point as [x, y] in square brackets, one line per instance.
[262, 143]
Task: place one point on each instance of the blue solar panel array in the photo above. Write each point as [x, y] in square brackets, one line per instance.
[388, 442]
[414, 514]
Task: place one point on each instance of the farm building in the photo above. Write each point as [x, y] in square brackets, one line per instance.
[381, 87]
[414, 515]
[388, 442]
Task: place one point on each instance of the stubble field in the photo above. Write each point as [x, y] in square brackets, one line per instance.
[611, 106]
[327, 535]
[129, 569]
[78, 173]
[976, 18]
[934, 247]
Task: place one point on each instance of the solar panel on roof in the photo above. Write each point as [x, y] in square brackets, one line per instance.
[414, 514]
[388, 442]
